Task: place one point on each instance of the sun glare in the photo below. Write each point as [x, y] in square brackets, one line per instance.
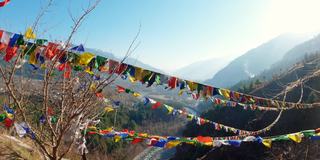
[297, 16]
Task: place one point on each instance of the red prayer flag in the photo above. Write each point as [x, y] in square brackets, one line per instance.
[317, 130]
[153, 142]
[204, 139]
[1, 32]
[136, 140]
[10, 53]
[104, 131]
[2, 46]
[113, 66]
[92, 132]
[217, 101]
[202, 121]
[156, 105]
[121, 89]
[99, 95]
[67, 68]
[5, 2]
[8, 122]
[52, 50]
[121, 68]
[67, 73]
[195, 96]
[131, 133]
[50, 111]
[217, 127]
[172, 82]
[61, 67]
[209, 90]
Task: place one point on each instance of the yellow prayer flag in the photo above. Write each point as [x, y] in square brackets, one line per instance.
[172, 144]
[108, 109]
[225, 93]
[169, 108]
[145, 73]
[85, 58]
[192, 86]
[117, 138]
[132, 79]
[190, 142]
[181, 92]
[109, 129]
[43, 66]
[9, 115]
[190, 117]
[138, 74]
[93, 128]
[32, 58]
[267, 142]
[93, 87]
[29, 34]
[297, 137]
[89, 71]
[136, 94]
[143, 135]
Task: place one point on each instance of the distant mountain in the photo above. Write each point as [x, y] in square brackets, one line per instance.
[138, 63]
[129, 60]
[100, 52]
[291, 121]
[299, 52]
[202, 70]
[256, 60]
[296, 54]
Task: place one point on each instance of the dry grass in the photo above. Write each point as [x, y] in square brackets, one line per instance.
[13, 148]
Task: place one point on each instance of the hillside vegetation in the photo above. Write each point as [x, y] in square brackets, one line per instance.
[307, 73]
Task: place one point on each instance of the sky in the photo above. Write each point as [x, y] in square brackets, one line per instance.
[174, 33]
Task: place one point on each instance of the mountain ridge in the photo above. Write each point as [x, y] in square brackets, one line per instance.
[201, 70]
[129, 60]
[256, 60]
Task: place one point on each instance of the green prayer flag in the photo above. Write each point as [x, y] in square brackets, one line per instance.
[41, 41]
[2, 117]
[308, 133]
[127, 90]
[158, 81]
[30, 49]
[200, 88]
[73, 58]
[100, 61]
[146, 77]
[280, 138]
[186, 140]
[129, 139]
[20, 41]
[77, 68]
[54, 119]
[53, 73]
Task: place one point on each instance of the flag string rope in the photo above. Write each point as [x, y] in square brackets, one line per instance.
[199, 120]
[173, 141]
[89, 128]
[40, 51]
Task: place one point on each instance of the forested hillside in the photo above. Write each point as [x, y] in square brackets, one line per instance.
[302, 85]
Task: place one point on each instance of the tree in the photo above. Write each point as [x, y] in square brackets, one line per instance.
[54, 107]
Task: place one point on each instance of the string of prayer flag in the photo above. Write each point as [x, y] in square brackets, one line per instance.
[12, 44]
